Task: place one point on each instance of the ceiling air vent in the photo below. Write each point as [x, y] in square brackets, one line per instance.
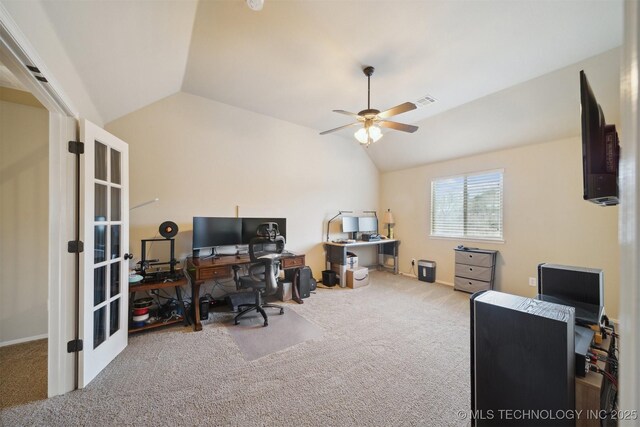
[425, 100]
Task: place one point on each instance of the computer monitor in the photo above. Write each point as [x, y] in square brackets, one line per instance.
[367, 224]
[209, 232]
[579, 287]
[250, 226]
[349, 224]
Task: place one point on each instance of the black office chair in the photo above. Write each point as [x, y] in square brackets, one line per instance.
[264, 252]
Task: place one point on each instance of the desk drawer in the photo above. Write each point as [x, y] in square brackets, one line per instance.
[218, 272]
[470, 285]
[292, 261]
[474, 272]
[474, 258]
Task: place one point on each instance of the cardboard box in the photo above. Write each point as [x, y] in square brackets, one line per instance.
[357, 277]
[341, 272]
[352, 260]
[284, 291]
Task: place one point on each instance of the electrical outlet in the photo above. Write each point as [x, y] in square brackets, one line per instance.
[413, 261]
[533, 281]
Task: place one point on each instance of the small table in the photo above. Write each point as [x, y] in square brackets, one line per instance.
[201, 269]
[336, 253]
[177, 284]
[589, 392]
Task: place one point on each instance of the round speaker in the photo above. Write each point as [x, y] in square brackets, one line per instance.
[168, 229]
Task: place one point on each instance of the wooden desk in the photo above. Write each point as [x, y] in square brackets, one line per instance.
[336, 254]
[201, 269]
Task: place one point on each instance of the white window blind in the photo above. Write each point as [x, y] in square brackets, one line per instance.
[467, 206]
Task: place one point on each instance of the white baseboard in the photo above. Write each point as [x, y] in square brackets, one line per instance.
[21, 340]
[445, 283]
[413, 276]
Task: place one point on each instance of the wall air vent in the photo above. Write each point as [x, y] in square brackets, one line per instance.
[425, 100]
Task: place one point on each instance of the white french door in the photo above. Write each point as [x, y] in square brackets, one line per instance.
[104, 288]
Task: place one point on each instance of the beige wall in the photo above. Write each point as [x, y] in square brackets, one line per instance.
[545, 217]
[24, 158]
[204, 158]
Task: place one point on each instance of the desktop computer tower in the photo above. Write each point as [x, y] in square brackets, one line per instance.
[304, 280]
[522, 361]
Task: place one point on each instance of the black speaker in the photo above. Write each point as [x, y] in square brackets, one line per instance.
[522, 361]
[168, 229]
[204, 308]
[304, 282]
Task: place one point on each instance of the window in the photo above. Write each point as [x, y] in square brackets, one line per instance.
[467, 206]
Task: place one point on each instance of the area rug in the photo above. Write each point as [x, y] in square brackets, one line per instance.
[284, 331]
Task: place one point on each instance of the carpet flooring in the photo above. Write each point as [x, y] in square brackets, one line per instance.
[23, 373]
[394, 353]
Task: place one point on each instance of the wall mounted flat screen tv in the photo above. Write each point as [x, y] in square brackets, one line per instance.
[600, 150]
[250, 226]
[211, 231]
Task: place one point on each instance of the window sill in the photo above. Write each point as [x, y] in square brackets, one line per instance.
[469, 239]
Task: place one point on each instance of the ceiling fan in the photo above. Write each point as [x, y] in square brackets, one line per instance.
[372, 119]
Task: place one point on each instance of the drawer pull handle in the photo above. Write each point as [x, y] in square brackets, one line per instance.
[470, 283]
[470, 269]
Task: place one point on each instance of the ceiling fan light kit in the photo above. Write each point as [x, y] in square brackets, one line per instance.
[367, 136]
[371, 119]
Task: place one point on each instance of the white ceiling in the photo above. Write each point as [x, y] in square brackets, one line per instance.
[298, 60]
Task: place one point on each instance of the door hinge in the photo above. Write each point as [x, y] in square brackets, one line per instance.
[74, 346]
[75, 246]
[76, 147]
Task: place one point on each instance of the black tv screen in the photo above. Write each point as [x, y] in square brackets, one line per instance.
[210, 231]
[600, 150]
[579, 287]
[250, 226]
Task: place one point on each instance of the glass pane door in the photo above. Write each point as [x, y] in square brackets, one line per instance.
[107, 247]
[104, 291]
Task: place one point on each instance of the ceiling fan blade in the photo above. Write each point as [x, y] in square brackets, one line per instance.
[347, 113]
[398, 126]
[398, 109]
[339, 128]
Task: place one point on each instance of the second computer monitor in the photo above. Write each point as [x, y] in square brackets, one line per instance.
[349, 224]
[368, 224]
[250, 226]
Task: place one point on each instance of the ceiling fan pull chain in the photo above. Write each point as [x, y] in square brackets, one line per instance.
[368, 92]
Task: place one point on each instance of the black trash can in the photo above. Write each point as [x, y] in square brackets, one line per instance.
[329, 278]
[427, 270]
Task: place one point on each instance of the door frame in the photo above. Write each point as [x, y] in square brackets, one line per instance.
[629, 223]
[16, 53]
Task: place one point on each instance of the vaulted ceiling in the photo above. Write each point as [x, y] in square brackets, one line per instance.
[503, 72]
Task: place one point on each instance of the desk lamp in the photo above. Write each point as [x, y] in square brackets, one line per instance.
[329, 223]
[390, 221]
